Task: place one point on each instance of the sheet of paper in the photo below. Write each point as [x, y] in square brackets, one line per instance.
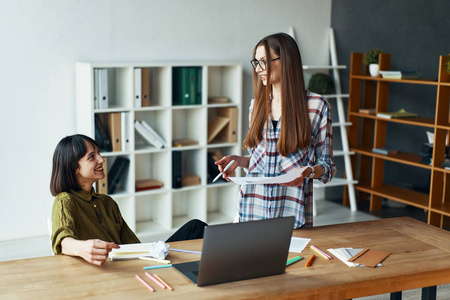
[298, 244]
[288, 177]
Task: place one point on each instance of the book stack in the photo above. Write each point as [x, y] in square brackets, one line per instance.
[391, 74]
[187, 86]
[149, 134]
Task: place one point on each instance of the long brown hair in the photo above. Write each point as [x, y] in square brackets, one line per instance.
[295, 126]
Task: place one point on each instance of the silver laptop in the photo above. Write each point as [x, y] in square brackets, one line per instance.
[239, 251]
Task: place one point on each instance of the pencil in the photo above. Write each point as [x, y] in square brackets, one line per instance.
[163, 282]
[145, 283]
[293, 260]
[163, 261]
[157, 267]
[155, 280]
[320, 252]
[309, 263]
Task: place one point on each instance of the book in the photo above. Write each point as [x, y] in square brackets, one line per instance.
[103, 94]
[396, 114]
[137, 87]
[384, 151]
[186, 86]
[218, 100]
[145, 92]
[367, 111]
[117, 174]
[147, 135]
[391, 74]
[114, 127]
[148, 184]
[102, 184]
[101, 135]
[154, 133]
[176, 169]
[188, 180]
[215, 126]
[130, 251]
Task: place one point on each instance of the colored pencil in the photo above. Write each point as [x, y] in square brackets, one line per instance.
[163, 282]
[320, 252]
[155, 280]
[293, 260]
[156, 267]
[186, 251]
[145, 283]
[309, 263]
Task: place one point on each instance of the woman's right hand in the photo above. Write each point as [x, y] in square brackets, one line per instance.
[239, 161]
[93, 251]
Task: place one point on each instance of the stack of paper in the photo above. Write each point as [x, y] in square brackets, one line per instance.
[344, 254]
[360, 257]
[130, 251]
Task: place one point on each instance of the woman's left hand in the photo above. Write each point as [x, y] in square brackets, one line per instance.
[299, 180]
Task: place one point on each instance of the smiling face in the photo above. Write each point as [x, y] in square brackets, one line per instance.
[275, 66]
[90, 168]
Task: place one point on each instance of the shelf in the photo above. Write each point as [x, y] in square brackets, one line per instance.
[417, 121]
[409, 197]
[409, 81]
[402, 157]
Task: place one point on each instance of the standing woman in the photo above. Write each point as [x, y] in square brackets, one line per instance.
[290, 127]
[84, 223]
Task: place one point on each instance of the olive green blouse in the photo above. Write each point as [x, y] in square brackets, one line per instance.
[85, 216]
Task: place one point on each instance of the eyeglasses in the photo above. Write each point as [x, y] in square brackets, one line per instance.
[261, 63]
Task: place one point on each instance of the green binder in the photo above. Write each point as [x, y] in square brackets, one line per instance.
[187, 85]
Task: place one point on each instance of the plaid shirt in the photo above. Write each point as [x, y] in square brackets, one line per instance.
[264, 201]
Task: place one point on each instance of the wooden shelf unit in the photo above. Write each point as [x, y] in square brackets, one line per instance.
[369, 131]
[155, 214]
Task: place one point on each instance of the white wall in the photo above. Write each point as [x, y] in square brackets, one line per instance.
[40, 41]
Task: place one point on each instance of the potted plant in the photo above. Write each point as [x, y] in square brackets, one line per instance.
[371, 60]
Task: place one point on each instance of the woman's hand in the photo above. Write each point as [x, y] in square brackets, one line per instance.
[239, 161]
[300, 179]
[93, 251]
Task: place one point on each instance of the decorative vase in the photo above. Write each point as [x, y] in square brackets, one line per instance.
[373, 69]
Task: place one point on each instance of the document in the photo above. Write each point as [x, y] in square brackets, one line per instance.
[288, 177]
[298, 244]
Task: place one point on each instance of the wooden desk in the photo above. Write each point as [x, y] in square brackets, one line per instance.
[420, 258]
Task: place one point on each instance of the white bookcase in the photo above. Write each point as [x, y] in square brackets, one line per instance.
[155, 214]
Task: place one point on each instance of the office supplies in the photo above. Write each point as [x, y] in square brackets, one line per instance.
[163, 261]
[163, 282]
[137, 87]
[293, 260]
[145, 283]
[241, 251]
[157, 267]
[309, 263]
[320, 252]
[186, 251]
[224, 170]
[298, 244]
[154, 250]
[155, 280]
[369, 257]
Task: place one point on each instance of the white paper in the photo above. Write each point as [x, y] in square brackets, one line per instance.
[288, 177]
[298, 244]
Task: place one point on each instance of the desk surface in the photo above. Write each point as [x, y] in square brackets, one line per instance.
[420, 258]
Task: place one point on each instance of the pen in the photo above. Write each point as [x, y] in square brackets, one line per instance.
[186, 251]
[157, 267]
[145, 283]
[163, 261]
[155, 280]
[320, 252]
[224, 170]
[309, 263]
[293, 260]
[163, 282]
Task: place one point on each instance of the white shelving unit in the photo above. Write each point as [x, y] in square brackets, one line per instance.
[155, 214]
[341, 125]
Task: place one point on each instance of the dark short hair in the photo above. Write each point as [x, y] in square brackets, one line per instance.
[65, 162]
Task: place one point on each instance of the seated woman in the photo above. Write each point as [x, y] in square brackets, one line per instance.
[87, 224]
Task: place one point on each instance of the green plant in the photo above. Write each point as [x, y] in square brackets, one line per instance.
[371, 57]
[321, 83]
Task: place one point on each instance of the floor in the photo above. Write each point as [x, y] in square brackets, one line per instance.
[328, 212]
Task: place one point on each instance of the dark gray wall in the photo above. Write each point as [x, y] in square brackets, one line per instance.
[416, 33]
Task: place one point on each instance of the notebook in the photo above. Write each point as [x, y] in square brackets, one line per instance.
[238, 251]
